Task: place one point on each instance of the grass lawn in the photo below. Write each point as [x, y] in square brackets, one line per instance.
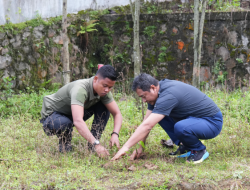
[30, 160]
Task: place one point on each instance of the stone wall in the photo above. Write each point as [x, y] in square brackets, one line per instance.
[167, 46]
[32, 53]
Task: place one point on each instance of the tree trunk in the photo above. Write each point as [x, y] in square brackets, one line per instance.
[66, 71]
[196, 68]
[204, 3]
[136, 47]
[198, 32]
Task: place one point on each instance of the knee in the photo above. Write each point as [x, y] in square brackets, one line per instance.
[179, 129]
[60, 123]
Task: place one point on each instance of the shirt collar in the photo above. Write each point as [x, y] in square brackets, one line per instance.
[159, 92]
[92, 96]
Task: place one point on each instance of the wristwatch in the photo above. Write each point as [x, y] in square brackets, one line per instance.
[96, 142]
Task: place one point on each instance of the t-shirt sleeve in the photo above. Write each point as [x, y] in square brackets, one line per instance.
[108, 98]
[164, 104]
[78, 96]
[150, 107]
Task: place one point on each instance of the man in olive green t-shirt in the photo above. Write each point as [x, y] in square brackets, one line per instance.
[76, 102]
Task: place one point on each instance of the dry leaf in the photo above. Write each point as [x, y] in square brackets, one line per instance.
[135, 157]
[169, 143]
[53, 167]
[150, 166]
[122, 99]
[132, 168]
[133, 127]
[232, 137]
[107, 165]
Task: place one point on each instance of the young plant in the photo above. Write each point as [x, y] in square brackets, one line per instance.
[149, 31]
[6, 85]
[239, 60]
[88, 27]
[163, 54]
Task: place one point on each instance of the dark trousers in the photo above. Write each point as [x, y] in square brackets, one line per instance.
[62, 125]
[190, 130]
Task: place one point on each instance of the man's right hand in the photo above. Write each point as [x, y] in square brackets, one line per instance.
[101, 151]
[138, 153]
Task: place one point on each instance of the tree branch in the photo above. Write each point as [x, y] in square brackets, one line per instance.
[132, 11]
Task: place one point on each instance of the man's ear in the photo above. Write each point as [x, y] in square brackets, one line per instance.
[153, 87]
[95, 79]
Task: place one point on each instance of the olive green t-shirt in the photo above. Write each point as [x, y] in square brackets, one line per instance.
[79, 92]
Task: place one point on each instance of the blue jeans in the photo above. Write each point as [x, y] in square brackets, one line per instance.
[190, 130]
[62, 125]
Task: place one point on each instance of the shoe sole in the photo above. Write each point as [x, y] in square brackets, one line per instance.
[182, 155]
[205, 156]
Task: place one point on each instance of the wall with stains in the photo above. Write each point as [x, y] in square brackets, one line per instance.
[32, 55]
[167, 46]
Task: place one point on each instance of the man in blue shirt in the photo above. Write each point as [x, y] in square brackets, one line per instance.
[183, 111]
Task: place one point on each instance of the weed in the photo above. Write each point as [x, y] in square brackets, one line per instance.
[163, 48]
[151, 9]
[218, 70]
[87, 27]
[6, 86]
[162, 32]
[149, 31]
[237, 174]
[239, 60]
[162, 56]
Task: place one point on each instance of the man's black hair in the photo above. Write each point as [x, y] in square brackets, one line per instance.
[143, 82]
[107, 71]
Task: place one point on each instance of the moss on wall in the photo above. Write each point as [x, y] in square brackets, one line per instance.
[112, 44]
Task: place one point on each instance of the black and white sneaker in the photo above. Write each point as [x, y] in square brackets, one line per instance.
[181, 152]
[197, 156]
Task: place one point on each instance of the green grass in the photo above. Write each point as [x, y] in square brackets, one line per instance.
[32, 161]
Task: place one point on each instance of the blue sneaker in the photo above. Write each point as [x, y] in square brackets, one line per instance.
[181, 152]
[197, 156]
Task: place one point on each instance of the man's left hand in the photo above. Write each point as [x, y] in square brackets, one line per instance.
[114, 140]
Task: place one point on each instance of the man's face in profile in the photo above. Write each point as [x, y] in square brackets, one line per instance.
[102, 86]
[148, 96]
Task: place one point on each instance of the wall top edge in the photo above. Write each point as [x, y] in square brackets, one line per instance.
[212, 16]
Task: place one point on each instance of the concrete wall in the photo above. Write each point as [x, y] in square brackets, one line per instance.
[22, 10]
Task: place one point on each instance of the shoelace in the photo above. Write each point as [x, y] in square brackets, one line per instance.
[193, 152]
[191, 156]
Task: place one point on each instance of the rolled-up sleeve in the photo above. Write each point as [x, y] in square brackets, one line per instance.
[78, 96]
